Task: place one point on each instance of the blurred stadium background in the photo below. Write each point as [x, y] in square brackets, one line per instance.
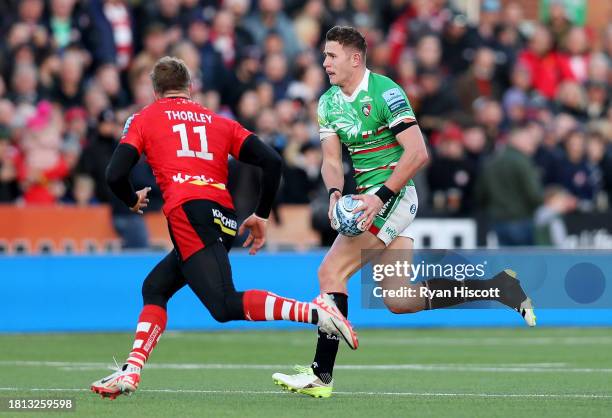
[72, 71]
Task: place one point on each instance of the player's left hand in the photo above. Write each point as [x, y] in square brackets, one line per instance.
[371, 206]
[257, 233]
[143, 200]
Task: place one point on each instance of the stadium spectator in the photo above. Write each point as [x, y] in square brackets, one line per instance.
[480, 80]
[155, 43]
[549, 151]
[550, 229]
[82, 193]
[574, 60]
[574, 173]
[509, 190]
[25, 85]
[542, 62]
[474, 142]
[438, 101]
[9, 188]
[558, 23]
[211, 63]
[65, 26]
[276, 72]
[490, 14]
[598, 99]
[67, 89]
[111, 39]
[302, 175]
[243, 78]
[600, 160]
[74, 136]
[459, 41]
[489, 115]
[41, 168]
[571, 100]
[108, 78]
[269, 17]
[450, 176]
[428, 53]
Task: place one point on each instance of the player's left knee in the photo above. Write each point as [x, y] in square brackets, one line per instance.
[231, 308]
[220, 314]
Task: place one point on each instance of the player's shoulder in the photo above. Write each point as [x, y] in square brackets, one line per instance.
[328, 94]
[381, 83]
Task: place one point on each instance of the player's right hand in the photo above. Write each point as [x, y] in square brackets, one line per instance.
[257, 233]
[333, 198]
[143, 201]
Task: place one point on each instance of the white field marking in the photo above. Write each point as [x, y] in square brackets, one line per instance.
[283, 393]
[485, 368]
[415, 340]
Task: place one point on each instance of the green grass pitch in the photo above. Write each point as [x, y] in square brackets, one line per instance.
[395, 373]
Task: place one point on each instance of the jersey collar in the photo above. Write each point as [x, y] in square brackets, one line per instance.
[362, 86]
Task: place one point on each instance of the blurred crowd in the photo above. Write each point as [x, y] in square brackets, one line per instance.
[486, 95]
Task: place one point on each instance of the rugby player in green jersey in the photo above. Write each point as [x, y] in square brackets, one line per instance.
[371, 115]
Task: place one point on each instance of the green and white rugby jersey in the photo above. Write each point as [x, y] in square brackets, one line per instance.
[363, 122]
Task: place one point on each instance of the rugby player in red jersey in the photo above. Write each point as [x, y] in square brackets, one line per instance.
[187, 146]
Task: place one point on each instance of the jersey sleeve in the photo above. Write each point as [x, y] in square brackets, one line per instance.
[395, 106]
[325, 127]
[132, 133]
[238, 134]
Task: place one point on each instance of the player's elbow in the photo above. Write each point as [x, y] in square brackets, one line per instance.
[274, 163]
[111, 175]
[422, 156]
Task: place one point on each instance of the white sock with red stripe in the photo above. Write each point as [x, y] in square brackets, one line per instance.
[261, 305]
[151, 325]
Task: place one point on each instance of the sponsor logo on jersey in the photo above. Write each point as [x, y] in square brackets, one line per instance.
[384, 211]
[366, 134]
[366, 99]
[366, 109]
[128, 122]
[391, 232]
[198, 180]
[413, 209]
[395, 99]
[228, 225]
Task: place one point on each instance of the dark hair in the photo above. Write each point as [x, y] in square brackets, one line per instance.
[170, 73]
[348, 36]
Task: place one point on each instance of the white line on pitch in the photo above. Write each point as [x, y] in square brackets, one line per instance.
[487, 368]
[412, 340]
[271, 392]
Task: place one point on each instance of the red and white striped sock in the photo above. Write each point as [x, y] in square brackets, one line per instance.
[151, 325]
[261, 305]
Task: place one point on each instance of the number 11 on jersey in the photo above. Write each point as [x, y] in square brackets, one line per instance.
[185, 151]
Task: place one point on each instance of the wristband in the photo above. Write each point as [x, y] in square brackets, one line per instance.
[334, 190]
[384, 193]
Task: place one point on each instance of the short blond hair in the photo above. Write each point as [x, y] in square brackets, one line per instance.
[170, 73]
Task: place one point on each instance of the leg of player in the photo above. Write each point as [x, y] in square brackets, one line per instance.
[208, 274]
[510, 292]
[159, 286]
[342, 260]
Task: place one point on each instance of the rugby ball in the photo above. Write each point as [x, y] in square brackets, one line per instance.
[344, 216]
